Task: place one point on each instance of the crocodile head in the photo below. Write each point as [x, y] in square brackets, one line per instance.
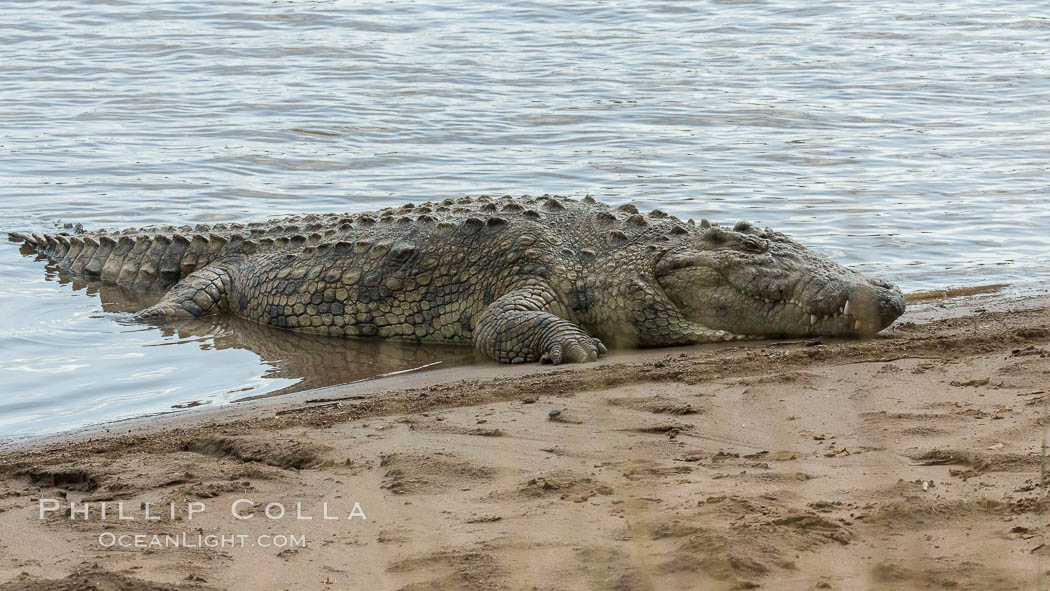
[747, 281]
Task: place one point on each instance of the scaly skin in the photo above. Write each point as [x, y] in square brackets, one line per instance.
[522, 279]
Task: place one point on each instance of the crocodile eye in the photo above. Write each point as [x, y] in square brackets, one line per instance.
[753, 245]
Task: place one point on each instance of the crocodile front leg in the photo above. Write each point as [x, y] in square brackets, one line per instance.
[519, 328]
[201, 293]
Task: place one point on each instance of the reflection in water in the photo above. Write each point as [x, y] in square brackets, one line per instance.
[315, 360]
[312, 360]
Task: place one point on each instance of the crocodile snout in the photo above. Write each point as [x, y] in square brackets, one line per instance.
[875, 304]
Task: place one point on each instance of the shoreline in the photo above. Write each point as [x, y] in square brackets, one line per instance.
[938, 304]
[905, 461]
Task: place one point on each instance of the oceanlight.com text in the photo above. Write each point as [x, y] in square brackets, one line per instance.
[197, 540]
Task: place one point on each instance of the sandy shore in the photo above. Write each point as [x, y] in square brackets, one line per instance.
[912, 461]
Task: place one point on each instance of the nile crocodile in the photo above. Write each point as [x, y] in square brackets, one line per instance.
[522, 279]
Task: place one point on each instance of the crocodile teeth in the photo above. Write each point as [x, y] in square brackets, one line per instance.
[812, 319]
[845, 309]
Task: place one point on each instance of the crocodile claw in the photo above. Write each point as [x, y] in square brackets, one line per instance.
[574, 350]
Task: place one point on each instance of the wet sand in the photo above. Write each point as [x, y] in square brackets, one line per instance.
[911, 461]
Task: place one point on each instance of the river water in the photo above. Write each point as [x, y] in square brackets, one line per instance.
[906, 139]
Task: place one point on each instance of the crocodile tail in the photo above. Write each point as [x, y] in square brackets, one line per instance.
[137, 259]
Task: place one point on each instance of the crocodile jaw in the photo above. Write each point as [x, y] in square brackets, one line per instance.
[866, 308]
